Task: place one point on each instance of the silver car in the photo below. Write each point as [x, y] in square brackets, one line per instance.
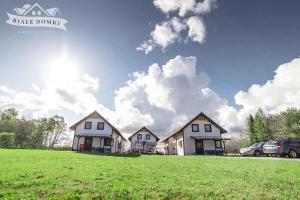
[254, 150]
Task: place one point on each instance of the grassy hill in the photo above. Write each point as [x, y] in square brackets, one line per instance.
[32, 174]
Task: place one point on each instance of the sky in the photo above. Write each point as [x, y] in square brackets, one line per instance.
[153, 63]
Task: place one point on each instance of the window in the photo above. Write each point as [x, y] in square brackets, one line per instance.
[148, 137]
[139, 136]
[107, 142]
[88, 125]
[100, 126]
[33, 12]
[39, 12]
[218, 144]
[195, 127]
[207, 127]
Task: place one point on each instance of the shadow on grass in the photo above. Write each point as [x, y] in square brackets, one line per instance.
[109, 154]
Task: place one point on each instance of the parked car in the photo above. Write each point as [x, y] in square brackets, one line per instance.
[289, 148]
[254, 150]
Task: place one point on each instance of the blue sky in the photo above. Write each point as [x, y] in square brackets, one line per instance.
[244, 44]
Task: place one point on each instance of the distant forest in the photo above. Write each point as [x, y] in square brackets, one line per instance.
[38, 133]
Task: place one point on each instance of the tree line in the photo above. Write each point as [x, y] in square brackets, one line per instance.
[264, 127]
[18, 132]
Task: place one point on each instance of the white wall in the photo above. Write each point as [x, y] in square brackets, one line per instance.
[134, 140]
[94, 119]
[75, 144]
[189, 143]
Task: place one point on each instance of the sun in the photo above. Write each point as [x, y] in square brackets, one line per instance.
[64, 70]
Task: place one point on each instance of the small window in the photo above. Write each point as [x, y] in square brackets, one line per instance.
[107, 142]
[148, 137]
[207, 127]
[218, 144]
[33, 12]
[100, 126]
[139, 136]
[88, 125]
[39, 12]
[195, 127]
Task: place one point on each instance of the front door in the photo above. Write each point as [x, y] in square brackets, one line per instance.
[199, 147]
[88, 141]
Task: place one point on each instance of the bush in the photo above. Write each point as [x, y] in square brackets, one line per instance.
[7, 140]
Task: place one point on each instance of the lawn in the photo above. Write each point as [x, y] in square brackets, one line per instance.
[32, 174]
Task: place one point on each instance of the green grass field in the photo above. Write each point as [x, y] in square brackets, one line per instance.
[41, 174]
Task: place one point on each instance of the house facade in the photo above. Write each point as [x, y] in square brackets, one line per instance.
[143, 141]
[199, 136]
[94, 133]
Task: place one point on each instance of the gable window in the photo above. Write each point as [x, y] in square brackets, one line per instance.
[107, 142]
[88, 125]
[139, 136]
[100, 126]
[148, 137]
[195, 127]
[207, 127]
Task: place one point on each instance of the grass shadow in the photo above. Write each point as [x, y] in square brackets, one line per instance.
[109, 154]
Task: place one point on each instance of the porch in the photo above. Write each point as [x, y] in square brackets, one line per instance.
[205, 145]
[143, 147]
[93, 143]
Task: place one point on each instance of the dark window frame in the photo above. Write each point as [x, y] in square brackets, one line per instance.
[148, 136]
[206, 128]
[107, 142]
[139, 138]
[86, 127]
[197, 127]
[99, 124]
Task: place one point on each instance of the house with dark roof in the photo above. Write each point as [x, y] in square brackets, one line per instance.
[94, 133]
[143, 141]
[199, 136]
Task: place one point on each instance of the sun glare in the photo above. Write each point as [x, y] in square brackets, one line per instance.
[64, 70]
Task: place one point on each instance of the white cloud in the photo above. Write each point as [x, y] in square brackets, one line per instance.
[205, 7]
[163, 35]
[163, 97]
[75, 95]
[196, 29]
[166, 94]
[185, 6]
[171, 29]
[275, 95]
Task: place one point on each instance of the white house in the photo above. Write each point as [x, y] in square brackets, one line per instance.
[94, 133]
[199, 136]
[143, 141]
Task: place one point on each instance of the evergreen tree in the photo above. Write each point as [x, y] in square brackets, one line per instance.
[260, 126]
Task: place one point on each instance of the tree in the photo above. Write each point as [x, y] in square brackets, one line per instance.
[55, 128]
[260, 126]
[8, 114]
[7, 140]
[23, 133]
[250, 130]
[291, 121]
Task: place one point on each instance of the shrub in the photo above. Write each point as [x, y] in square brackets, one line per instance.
[7, 140]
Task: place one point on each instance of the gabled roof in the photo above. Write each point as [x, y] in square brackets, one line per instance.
[96, 113]
[142, 129]
[35, 5]
[52, 11]
[222, 130]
